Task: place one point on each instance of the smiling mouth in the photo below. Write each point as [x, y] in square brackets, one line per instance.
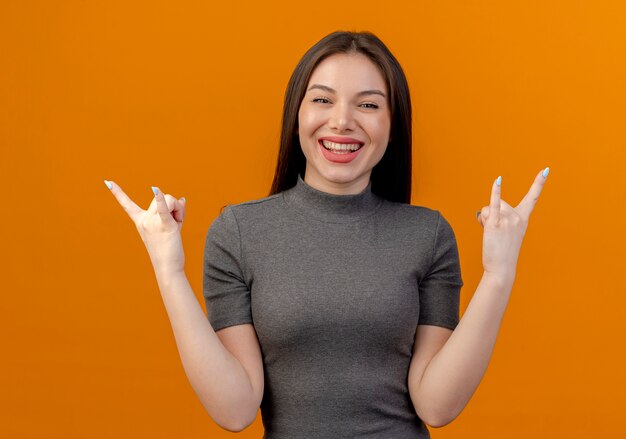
[341, 148]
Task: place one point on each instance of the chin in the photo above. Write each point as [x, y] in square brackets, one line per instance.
[340, 176]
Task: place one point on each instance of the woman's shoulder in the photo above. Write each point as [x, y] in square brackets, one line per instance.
[255, 208]
[424, 222]
[410, 213]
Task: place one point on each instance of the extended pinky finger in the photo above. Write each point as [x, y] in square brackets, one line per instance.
[161, 204]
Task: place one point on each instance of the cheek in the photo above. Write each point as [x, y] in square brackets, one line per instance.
[304, 128]
[309, 121]
[386, 126]
[382, 129]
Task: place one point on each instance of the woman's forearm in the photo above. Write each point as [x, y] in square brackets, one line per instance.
[217, 377]
[453, 374]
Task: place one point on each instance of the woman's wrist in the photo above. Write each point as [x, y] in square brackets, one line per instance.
[168, 276]
[502, 280]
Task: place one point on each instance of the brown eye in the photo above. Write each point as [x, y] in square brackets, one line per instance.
[321, 100]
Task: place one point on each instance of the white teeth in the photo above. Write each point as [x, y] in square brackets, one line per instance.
[340, 146]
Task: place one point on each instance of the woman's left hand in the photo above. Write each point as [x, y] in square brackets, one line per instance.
[504, 228]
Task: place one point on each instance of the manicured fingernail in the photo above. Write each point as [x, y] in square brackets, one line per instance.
[183, 199]
[155, 190]
[109, 185]
[499, 181]
[546, 172]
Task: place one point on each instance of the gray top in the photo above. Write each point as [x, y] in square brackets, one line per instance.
[335, 286]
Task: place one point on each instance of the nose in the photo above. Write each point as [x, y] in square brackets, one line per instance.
[342, 117]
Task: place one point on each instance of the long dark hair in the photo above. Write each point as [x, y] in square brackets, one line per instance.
[391, 177]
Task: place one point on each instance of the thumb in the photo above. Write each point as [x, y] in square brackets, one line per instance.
[482, 215]
[180, 210]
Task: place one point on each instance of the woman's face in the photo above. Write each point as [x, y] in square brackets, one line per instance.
[345, 106]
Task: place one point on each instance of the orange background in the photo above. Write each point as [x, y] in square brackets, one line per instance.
[188, 96]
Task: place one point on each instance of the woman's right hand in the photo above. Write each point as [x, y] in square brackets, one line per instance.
[159, 227]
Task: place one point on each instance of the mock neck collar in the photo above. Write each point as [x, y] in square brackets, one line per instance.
[331, 207]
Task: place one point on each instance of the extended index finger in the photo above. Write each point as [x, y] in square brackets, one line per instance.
[526, 206]
[129, 206]
[494, 204]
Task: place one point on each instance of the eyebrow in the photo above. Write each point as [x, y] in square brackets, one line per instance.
[361, 93]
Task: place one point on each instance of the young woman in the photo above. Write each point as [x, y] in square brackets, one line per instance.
[333, 304]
